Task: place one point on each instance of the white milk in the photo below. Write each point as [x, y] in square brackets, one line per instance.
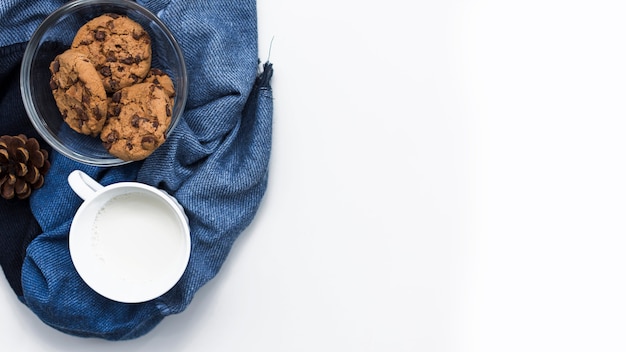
[136, 236]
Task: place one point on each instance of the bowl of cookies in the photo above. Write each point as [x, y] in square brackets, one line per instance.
[104, 82]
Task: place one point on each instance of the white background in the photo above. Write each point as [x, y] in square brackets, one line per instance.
[446, 176]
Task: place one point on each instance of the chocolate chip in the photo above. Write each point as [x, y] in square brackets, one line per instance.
[115, 111]
[112, 137]
[96, 113]
[53, 84]
[138, 36]
[80, 113]
[105, 71]
[148, 142]
[55, 66]
[111, 56]
[134, 121]
[155, 124]
[115, 85]
[138, 59]
[129, 145]
[120, 69]
[135, 78]
[168, 110]
[114, 15]
[116, 97]
[86, 98]
[127, 61]
[99, 36]
[85, 42]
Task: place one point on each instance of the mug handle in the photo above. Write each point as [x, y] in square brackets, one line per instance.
[83, 185]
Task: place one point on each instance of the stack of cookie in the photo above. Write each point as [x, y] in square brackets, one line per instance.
[104, 86]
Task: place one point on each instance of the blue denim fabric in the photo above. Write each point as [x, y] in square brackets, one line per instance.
[215, 164]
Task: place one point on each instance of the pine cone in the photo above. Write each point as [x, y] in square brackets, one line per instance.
[22, 166]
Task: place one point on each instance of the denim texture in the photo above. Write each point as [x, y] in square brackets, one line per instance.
[215, 164]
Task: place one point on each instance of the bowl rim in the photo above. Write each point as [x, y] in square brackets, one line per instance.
[39, 123]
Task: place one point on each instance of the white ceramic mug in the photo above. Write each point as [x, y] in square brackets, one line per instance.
[129, 241]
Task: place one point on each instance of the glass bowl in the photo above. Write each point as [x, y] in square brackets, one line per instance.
[54, 36]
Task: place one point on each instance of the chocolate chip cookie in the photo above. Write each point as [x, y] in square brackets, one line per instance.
[138, 117]
[78, 92]
[119, 48]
